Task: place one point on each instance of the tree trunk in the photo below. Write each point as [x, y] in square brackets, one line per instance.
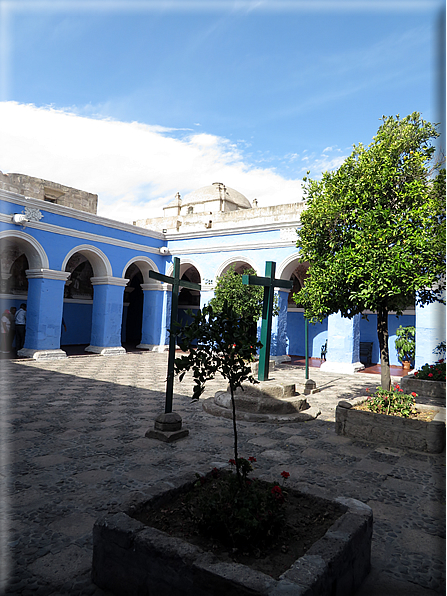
[236, 454]
[382, 334]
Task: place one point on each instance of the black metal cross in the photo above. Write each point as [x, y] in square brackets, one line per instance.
[270, 283]
[176, 283]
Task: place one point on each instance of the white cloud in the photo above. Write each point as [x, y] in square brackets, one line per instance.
[322, 163]
[135, 168]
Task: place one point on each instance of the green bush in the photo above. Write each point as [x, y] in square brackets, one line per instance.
[393, 402]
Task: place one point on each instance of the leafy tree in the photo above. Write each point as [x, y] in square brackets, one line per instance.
[245, 300]
[218, 342]
[374, 229]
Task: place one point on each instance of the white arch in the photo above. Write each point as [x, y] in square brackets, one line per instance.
[144, 264]
[236, 260]
[185, 264]
[289, 265]
[98, 260]
[34, 251]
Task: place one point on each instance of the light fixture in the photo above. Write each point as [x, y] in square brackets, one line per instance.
[19, 218]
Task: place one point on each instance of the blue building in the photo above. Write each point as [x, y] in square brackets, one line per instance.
[66, 263]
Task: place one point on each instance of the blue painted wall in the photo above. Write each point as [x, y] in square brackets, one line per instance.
[78, 319]
[368, 332]
[317, 335]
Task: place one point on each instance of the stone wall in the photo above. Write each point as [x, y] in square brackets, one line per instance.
[52, 192]
[219, 220]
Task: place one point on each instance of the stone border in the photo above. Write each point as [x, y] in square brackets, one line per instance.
[394, 431]
[210, 406]
[130, 558]
[422, 387]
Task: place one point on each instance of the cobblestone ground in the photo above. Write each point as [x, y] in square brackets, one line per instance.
[73, 444]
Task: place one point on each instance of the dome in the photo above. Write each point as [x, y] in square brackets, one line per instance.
[218, 191]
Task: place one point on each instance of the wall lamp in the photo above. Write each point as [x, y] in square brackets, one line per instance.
[19, 219]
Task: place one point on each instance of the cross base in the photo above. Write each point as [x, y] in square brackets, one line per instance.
[167, 437]
[167, 428]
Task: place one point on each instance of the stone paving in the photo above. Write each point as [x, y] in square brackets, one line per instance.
[73, 444]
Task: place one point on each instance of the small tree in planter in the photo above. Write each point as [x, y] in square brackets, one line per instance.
[239, 511]
[218, 342]
[405, 344]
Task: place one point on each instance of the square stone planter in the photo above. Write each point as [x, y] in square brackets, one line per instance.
[131, 558]
[393, 431]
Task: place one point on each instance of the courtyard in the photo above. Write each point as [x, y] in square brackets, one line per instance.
[73, 445]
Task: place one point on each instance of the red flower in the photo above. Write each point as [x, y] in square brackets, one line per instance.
[367, 389]
[277, 493]
[416, 373]
[252, 459]
[414, 394]
[285, 475]
[442, 360]
[397, 386]
[232, 462]
[430, 374]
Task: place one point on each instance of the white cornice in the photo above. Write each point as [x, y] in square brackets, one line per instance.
[237, 229]
[39, 225]
[232, 247]
[151, 250]
[13, 197]
[154, 285]
[109, 281]
[47, 274]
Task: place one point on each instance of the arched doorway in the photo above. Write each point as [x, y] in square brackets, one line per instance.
[188, 299]
[133, 307]
[295, 270]
[78, 302]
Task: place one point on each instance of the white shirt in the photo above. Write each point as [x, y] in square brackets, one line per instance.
[20, 317]
[5, 319]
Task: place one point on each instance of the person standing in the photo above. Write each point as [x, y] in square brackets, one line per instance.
[12, 329]
[20, 326]
[5, 327]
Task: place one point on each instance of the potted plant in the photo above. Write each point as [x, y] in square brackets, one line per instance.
[405, 345]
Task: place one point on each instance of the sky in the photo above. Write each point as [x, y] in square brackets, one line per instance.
[136, 100]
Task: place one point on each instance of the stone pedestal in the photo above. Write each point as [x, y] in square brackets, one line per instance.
[105, 351]
[167, 428]
[267, 401]
[41, 354]
[309, 387]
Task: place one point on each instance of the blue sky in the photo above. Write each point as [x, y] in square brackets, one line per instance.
[137, 100]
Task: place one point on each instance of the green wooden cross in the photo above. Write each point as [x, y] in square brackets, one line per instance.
[270, 283]
[176, 282]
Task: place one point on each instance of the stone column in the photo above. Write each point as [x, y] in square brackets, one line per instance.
[44, 307]
[343, 345]
[430, 331]
[279, 342]
[153, 329]
[107, 315]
